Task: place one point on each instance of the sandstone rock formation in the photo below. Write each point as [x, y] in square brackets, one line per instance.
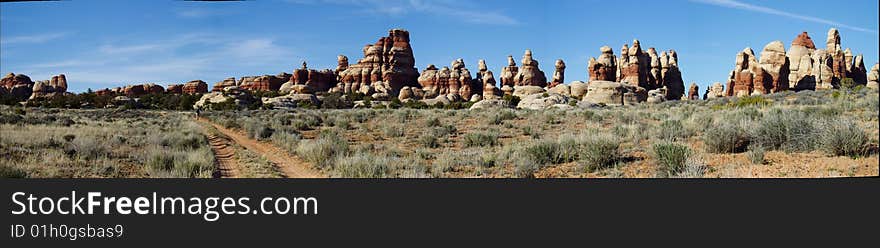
[748, 76]
[715, 91]
[457, 81]
[174, 89]
[228, 82]
[318, 80]
[646, 69]
[57, 85]
[558, 75]
[142, 89]
[389, 60]
[873, 77]
[693, 92]
[509, 72]
[18, 86]
[605, 67]
[195, 87]
[812, 68]
[529, 74]
[264, 82]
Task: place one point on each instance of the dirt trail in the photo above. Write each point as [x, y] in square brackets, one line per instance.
[224, 156]
[292, 167]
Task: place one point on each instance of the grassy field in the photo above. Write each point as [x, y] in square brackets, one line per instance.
[790, 134]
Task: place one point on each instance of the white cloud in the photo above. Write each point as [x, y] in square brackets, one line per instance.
[447, 8]
[173, 60]
[766, 10]
[37, 38]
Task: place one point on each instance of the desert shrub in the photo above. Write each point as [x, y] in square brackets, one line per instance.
[671, 130]
[671, 158]
[511, 99]
[529, 131]
[286, 140]
[525, 167]
[756, 154]
[725, 138]
[323, 150]
[599, 151]
[788, 130]
[694, 167]
[432, 122]
[562, 150]
[362, 165]
[429, 141]
[89, 148]
[12, 172]
[842, 137]
[393, 131]
[489, 138]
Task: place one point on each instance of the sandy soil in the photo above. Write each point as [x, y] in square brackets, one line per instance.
[292, 167]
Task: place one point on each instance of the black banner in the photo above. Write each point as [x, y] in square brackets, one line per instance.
[404, 212]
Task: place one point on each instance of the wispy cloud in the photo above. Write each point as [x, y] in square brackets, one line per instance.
[766, 10]
[171, 60]
[36, 38]
[446, 8]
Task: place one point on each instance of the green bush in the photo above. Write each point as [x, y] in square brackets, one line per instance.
[362, 165]
[323, 150]
[489, 138]
[843, 137]
[787, 130]
[671, 130]
[429, 141]
[671, 158]
[599, 151]
[756, 154]
[726, 138]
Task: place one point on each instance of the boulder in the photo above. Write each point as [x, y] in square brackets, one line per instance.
[290, 101]
[439, 99]
[578, 89]
[526, 90]
[613, 93]
[491, 104]
[300, 89]
[657, 95]
[561, 89]
[406, 93]
[476, 98]
[873, 77]
[540, 101]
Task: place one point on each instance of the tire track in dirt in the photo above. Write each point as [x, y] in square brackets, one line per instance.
[224, 157]
[292, 167]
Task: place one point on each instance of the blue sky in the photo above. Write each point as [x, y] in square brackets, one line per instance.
[100, 44]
